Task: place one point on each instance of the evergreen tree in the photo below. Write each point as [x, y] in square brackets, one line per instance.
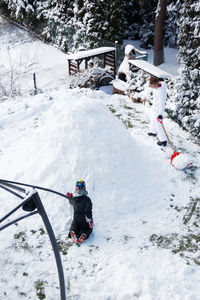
[132, 20]
[143, 19]
[116, 17]
[96, 20]
[140, 19]
[20, 9]
[79, 37]
[104, 20]
[184, 106]
[171, 27]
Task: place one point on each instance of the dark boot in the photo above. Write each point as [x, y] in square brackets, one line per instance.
[159, 143]
[151, 134]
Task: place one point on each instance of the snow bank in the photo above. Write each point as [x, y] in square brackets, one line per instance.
[77, 137]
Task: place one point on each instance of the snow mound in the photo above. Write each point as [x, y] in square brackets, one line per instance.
[78, 137]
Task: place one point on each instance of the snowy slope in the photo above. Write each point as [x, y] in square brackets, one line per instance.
[77, 136]
[22, 54]
[141, 205]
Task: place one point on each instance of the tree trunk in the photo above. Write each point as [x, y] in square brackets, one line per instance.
[158, 32]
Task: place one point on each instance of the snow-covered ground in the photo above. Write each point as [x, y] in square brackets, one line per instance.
[145, 243]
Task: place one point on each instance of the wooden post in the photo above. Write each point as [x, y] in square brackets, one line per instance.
[69, 66]
[116, 64]
[35, 85]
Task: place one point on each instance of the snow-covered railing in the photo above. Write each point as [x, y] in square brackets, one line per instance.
[75, 59]
[89, 53]
[143, 55]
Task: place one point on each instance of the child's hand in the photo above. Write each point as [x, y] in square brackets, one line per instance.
[69, 195]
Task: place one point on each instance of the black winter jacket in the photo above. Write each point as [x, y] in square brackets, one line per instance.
[82, 206]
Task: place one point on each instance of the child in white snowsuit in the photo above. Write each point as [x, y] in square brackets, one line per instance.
[159, 100]
[82, 223]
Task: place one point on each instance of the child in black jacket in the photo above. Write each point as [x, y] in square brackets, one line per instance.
[82, 223]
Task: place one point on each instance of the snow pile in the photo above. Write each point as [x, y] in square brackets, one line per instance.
[78, 137]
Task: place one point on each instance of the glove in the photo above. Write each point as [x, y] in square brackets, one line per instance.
[91, 224]
[69, 195]
[160, 118]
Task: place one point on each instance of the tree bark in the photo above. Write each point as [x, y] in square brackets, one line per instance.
[158, 32]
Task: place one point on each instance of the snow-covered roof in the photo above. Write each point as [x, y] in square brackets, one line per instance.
[128, 49]
[89, 53]
[151, 69]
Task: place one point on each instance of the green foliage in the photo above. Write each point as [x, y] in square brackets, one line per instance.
[63, 246]
[91, 20]
[187, 245]
[40, 292]
[71, 24]
[140, 17]
[20, 241]
[185, 92]
[115, 18]
[171, 28]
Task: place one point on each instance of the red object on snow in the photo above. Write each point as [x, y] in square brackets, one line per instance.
[174, 155]
[183, 165]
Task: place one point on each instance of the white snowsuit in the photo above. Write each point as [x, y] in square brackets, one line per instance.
[159, 99]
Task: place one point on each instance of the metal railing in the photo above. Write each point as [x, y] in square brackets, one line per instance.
[33, 204]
